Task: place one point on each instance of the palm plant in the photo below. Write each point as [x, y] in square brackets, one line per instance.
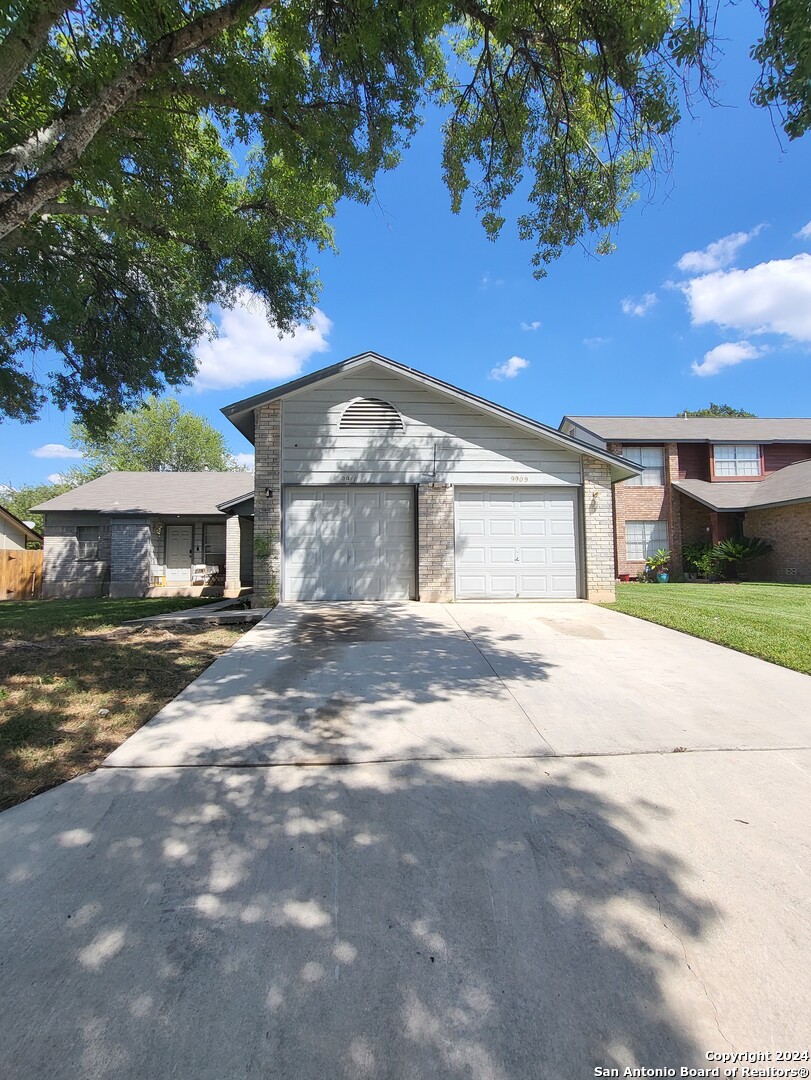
[730, 555]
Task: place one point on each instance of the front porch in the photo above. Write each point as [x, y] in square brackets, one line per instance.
[182, 557]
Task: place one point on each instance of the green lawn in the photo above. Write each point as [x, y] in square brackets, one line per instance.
[75, 682]
[769, 621]
[33, 618]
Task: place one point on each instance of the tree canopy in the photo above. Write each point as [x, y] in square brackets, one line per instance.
[19, 500]
[160, 436]
[717, 410]
[158, 158]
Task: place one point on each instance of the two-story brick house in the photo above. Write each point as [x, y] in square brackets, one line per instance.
[706, 479]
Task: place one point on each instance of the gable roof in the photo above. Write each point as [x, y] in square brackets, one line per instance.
[640, 429]
[241, 413]
[789, 485]
[30, 534]
[171, 493]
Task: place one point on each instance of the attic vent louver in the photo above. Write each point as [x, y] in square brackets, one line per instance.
[371, 414]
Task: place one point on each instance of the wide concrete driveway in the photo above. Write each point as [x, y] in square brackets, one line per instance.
[366, 682]
[487, 841]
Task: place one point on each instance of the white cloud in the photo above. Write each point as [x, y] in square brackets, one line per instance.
[56, 450]
[531, 325]
[717, 255]
[245, 461]
[639, 307]
[509, 369]
[595, 342]
[488, 280]
[770, 298]
[248, 348]
[55, 478]
[726, 355]
[804, 233]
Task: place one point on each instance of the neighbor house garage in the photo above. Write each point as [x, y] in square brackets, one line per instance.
[375, 481]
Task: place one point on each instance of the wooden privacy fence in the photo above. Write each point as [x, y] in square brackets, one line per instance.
[20, 575]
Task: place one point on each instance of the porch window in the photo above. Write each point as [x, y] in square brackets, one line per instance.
[214, 545]
[644, 538]
[652, 459]
[88, 537]
[736, 459]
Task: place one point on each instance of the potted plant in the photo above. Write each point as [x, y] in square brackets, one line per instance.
[658, 565]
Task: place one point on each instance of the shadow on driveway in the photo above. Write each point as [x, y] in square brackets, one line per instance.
[448, 919]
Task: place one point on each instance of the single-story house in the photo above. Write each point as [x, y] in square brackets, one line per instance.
[15, 535]
[377, 481]
[373, 481]
[150, 534]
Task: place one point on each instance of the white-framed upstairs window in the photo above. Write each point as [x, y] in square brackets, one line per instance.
[644, 538]
[736, 459]
[652, 459]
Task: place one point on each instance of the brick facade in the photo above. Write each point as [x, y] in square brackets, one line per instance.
[788, 530]
[696, 525]
[673, 508]
[654, 503]
[598, 531]
[268, 507]
[64, 574]
[131, 557]
[233, 539]
[435, 543]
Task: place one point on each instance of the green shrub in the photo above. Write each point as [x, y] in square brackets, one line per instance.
[697, 559]
[730, 555]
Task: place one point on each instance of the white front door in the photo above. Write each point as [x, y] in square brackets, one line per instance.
[516, 544]
[178, 553]
[349, 543]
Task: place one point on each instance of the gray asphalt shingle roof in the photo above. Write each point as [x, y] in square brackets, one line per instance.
[789, 485]
[184, 493]
[631, 429]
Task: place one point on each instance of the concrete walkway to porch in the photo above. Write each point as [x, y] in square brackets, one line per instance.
[216, 614]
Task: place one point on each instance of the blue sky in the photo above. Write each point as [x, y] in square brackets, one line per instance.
[708, 296]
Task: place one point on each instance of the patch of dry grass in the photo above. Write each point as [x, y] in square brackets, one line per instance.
[69, 698]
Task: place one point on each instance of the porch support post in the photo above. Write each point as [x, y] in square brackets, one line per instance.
[232, 556]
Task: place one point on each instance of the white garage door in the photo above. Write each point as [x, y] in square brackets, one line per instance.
[344, 543]
[512, 543]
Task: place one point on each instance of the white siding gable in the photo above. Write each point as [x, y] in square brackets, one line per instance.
[443, 439]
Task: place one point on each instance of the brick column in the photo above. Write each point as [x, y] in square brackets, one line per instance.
[599, 531]
[130, 558]
[435, 568]
[673, 507]
[267, 556]
[232, 553]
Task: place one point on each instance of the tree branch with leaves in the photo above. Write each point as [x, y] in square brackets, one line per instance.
[156, 159]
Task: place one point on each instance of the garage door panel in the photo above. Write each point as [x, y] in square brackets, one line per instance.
[543, 560]
[534, 556]
[348, 543]
[499, 554]
[527, 527]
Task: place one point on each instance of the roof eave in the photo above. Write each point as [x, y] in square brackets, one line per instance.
[32, 534]
[229, 503]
